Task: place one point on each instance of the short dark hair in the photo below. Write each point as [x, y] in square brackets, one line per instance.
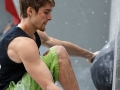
[35, 4]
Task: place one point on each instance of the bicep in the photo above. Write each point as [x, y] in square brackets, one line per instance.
[48, 41]
[29, 55]
[43, 36]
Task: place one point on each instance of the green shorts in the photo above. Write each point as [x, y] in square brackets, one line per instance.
[27, 83]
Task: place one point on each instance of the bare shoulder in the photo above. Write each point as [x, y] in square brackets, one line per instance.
[21, 42]
[20, 46]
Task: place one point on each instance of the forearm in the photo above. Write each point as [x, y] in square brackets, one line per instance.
[41, 74]
[75, 50]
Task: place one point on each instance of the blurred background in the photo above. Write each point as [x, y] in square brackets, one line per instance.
[85, 23]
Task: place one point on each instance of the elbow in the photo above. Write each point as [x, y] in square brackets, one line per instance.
[51, 87]
[47, 87]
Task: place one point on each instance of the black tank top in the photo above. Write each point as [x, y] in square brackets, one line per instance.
[9, 70]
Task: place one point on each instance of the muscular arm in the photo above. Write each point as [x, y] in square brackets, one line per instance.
[29, 54]
[71, 48]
